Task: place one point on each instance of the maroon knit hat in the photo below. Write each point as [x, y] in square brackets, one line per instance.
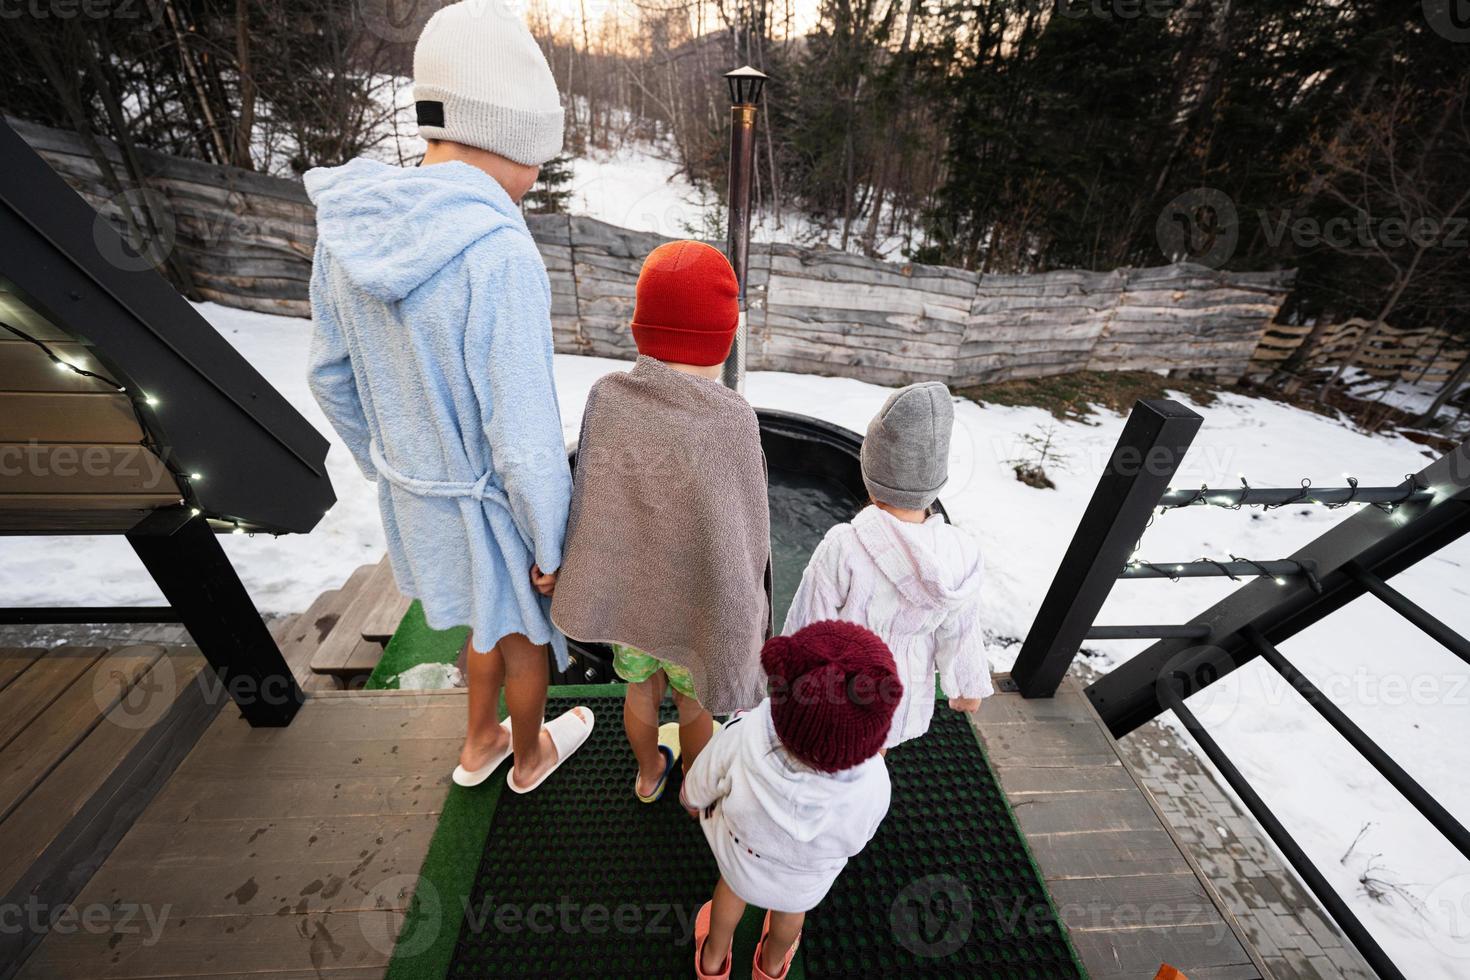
[687, 304]
[833, 690]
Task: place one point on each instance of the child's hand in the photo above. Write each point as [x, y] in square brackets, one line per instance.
[544, 584]
[964, 704]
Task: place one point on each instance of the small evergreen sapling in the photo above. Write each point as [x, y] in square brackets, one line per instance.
[1031, 468]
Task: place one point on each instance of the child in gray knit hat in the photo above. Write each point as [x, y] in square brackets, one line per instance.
[906, 574]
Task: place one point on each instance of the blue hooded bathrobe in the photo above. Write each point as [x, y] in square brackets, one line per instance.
[432, 358]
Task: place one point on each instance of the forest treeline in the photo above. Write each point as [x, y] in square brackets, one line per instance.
[1326, 136]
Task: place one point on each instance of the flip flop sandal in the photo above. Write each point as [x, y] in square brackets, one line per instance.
[663, 781]
[701, 932]
[756, 973]
[668, 735]
[470, 778]
[568, 732]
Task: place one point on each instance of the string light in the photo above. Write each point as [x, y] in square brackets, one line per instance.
[1386, 499]
[1279, 571]
[62, 364]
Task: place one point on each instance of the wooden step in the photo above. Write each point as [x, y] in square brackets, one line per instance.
[389, 606]
[344, 653]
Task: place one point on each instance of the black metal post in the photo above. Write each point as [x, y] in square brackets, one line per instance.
[200, 584]
[745, 87]
[1154, 441]
[1341, 913]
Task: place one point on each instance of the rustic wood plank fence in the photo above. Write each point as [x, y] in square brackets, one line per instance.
[247, 240]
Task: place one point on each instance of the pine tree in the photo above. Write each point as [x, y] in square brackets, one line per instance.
[552, 191]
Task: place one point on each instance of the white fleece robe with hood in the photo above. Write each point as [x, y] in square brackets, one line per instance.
[918, 587]
[780, 830]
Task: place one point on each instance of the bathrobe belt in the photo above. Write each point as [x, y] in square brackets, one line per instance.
[479, 489]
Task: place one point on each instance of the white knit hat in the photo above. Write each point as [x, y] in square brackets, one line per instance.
[479, 78]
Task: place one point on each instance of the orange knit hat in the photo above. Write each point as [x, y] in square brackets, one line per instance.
[687, 304]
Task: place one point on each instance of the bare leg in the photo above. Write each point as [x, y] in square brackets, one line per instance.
[785, 927]
[725, 912]
[696, 728]
[640, 721]
[526, 677]
[484, 738]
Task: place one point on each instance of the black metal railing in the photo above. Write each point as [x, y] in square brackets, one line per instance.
[1404, 524]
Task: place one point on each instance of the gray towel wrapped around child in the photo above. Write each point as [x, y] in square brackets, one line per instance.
[669, 540]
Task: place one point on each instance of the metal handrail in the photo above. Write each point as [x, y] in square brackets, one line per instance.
[1414, 613]
[1341, 913]
[1417, 795]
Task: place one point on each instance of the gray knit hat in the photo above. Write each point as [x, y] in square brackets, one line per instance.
[906, 452]
[479, 78]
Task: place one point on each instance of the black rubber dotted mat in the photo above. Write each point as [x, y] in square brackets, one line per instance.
[579, 879]
[946, 887]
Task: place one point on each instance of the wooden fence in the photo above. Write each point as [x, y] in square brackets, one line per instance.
[247, 239]
[1418, 356]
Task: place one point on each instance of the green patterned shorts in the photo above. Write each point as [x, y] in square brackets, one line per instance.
[635, 667]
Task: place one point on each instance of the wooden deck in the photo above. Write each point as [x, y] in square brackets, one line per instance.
[1130, 895]
[292, 852]
[286, 852]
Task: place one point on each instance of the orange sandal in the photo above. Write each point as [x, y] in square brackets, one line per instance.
[756, 972]
[701, 931]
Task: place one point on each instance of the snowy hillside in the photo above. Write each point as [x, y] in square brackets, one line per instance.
[1403, 689]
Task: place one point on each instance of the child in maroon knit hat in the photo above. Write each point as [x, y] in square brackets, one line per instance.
[788, 792]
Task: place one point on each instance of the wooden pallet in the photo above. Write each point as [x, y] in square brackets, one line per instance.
[355, 625]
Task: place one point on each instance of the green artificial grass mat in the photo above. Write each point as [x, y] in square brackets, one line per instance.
[430, 928]
[415, 643]
[583, 839]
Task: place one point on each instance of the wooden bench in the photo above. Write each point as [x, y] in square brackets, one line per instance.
[122, 411]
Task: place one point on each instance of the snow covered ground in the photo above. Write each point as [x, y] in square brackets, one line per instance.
[1404, 690]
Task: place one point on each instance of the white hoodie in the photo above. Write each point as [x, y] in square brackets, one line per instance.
[780, 830]
[918, 587]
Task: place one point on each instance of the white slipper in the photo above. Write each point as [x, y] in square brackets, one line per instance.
[568, 732]
[467, 778]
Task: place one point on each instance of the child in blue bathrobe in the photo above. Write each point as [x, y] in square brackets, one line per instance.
[432, 357]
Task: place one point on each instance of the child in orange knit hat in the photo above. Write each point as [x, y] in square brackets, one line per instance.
[668, 545]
